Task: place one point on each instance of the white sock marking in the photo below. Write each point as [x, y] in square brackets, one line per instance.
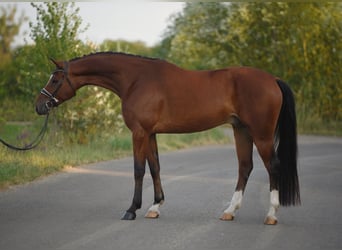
[235, 203]
[274, 204]
[154, 208]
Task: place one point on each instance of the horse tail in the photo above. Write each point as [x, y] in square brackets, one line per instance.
[287, 150]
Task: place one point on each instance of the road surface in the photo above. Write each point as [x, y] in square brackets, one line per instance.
[81, 208]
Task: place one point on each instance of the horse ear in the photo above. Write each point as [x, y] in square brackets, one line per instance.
[56, 63]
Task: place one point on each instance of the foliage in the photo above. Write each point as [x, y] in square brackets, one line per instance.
[197, 36]
[56, 35]
[93, 113]
[299, 42]
[137, 47]
[9, 28]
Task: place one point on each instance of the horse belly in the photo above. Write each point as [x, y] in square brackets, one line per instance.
[192, 117]
[198, 103]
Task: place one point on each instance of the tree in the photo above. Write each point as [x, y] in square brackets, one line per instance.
[197, 36]
[136, 47]
[9, 29]
[299, 42]
[55, 35]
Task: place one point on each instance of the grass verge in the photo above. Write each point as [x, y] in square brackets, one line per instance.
[51, 156]
[56, 153]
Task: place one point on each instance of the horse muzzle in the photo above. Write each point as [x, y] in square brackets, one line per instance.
[44, 107]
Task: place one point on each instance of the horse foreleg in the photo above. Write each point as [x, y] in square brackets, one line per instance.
[235, 204]
[244, 149]
[140, 144]
[153, 162]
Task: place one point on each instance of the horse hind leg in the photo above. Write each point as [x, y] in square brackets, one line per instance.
[272, 164]
[244, 149]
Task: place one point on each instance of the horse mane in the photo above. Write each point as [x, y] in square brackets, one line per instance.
[113, 53]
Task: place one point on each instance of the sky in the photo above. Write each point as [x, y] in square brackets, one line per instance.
[130, 20]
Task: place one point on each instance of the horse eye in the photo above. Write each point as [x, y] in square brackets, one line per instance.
[54, 81]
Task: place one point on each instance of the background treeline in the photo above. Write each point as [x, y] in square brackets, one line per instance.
[299, 42]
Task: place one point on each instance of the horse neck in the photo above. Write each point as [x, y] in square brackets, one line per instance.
[113, 72]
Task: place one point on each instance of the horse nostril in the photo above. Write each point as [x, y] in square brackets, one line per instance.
[41, 110]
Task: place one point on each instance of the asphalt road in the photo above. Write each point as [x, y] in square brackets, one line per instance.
[81, 208]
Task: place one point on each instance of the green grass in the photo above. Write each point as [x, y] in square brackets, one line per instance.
[55, 152]
[318, 127]
[52, 156]
[169, 142]
[310, 123]
[10, 132]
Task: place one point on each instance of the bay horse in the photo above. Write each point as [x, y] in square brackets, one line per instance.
[160, 97]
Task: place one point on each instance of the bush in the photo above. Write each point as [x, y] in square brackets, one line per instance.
[95, 112]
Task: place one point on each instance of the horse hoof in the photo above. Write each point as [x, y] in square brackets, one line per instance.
[128, 216]
[152, 215]
[227, 216]
[270, 221]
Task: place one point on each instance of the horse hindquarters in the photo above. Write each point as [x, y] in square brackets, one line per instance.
[281, 163]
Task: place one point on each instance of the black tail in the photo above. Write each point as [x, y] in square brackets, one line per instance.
[287, 150]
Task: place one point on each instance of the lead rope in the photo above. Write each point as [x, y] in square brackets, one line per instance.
[34, 143]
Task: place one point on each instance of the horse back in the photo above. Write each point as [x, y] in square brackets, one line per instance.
[173, 100]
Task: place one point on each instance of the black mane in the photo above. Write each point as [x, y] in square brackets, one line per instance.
[114, 53]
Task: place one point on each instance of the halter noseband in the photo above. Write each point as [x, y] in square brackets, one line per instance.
[53, 101]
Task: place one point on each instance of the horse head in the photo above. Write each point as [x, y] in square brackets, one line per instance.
[57, 90]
